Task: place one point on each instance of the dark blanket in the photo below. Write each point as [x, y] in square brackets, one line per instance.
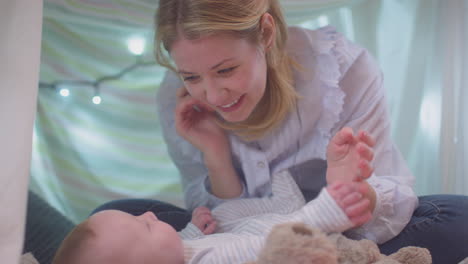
[45, 229]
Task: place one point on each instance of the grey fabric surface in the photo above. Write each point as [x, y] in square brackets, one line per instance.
[45, 229]
[310, 176]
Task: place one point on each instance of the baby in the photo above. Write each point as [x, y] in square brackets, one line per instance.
[117, 237]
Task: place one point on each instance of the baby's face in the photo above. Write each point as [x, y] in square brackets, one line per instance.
[124, 238]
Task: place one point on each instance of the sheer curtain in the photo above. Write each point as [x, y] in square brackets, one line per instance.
[421, 47]
[84, 155]
[422, 52]
[453, 29]
[409, 55]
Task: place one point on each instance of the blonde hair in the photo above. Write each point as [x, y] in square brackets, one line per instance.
[75, 245]
[241, 18]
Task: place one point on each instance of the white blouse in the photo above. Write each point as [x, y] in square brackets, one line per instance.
[340, 85]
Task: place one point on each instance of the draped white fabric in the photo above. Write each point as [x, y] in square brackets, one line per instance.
[84, 155]
[453, 28]
[20, 28]
[421, 46]
[424, 59]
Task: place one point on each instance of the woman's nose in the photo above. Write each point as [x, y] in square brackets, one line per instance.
[214, 94]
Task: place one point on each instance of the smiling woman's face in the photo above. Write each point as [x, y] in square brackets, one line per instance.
[226, 73]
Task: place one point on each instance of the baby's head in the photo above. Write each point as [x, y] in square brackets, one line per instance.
[119, 238]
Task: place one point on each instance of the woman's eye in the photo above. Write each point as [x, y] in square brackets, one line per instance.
[190, 78]
[227, 70]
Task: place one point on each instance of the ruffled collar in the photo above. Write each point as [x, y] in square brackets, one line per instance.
[321, 103]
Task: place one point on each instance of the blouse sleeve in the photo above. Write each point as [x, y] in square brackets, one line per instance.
[365, 108]
[187, 158]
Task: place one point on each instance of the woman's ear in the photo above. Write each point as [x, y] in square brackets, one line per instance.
[268, 31]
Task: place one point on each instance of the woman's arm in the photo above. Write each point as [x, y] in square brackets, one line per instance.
[352, 95]
[224, 180]
[206, 179]
[365, 109]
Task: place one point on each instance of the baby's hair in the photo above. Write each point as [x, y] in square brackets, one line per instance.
[193, 19]
[75, 245]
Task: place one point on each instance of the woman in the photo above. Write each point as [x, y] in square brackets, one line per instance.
[248, 97]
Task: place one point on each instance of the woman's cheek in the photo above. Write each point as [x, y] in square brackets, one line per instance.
[248, 80]
[238, 83]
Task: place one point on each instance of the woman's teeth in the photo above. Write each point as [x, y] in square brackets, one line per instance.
[231, 104]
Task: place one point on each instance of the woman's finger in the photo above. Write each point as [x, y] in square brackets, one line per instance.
[185, 114]
[351, 198]
[184, 106]
[343, 190]
[182, 92]
[361, 219]
[358, 208]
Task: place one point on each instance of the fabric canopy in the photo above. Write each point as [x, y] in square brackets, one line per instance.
[85, 154]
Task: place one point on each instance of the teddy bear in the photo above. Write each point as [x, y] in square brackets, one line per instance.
[297, 243]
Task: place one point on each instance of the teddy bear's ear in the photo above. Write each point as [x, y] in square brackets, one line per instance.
[301, 229]
[416, 255]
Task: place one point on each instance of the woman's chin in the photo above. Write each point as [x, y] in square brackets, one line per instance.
[232, 118]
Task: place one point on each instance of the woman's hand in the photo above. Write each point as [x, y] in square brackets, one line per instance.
[353, 199]
[196, 122]
[349, 156]
[202, 218]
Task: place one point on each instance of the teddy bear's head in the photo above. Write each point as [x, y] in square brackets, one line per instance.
[299, 244]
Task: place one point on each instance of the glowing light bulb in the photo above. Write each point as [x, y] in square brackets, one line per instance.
[136, 45]
[64, 92]
[97, 99]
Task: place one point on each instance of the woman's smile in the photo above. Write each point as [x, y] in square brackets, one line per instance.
[232, 106]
